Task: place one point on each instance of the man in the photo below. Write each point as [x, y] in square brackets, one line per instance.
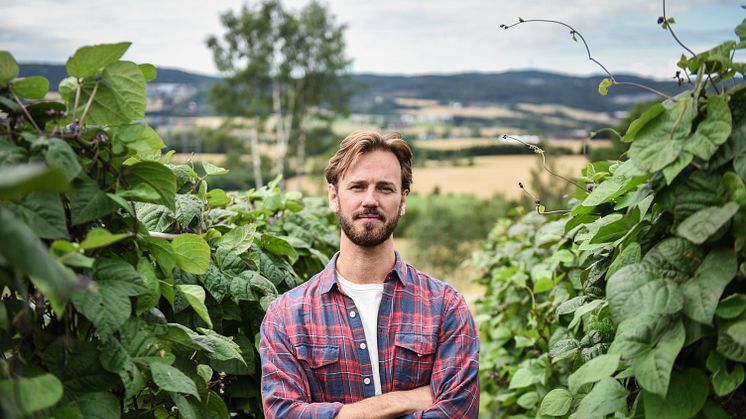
[369, 336]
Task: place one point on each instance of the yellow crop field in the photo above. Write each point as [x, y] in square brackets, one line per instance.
[489, 175]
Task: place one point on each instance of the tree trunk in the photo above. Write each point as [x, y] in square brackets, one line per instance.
[301, 170]
[255, 157]
[281, 135]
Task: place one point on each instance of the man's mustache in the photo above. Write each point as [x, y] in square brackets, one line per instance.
[370, 212]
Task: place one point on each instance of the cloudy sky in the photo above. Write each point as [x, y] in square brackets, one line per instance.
[390, 36]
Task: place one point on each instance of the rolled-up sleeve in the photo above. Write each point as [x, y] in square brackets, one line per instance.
[455, 377]
[285, 390]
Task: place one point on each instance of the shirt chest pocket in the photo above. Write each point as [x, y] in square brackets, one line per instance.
[323, 368]
[414, 358]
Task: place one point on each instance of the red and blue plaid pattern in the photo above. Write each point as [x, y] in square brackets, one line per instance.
[313, 360]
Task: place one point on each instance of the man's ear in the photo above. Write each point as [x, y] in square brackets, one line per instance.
[403, 205]
[331, 193]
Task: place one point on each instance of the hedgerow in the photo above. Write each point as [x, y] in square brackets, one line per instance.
[129, 288]
[633, 302]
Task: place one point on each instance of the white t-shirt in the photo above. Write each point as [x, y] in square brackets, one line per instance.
[367, 298]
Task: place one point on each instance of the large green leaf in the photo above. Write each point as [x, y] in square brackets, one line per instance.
[113, 269]
[157, 176]
[100, 237]
[29, 395]
[22, 249]
[724, 381]
[244, 366]
[8, 68]
[239, 239]
[156, 217]
[713, 131]
[607, 397]
[594, 370]
[628, 256]
[654, 154]
[686, 396]
[653, 368]
[128, 87]
[43, 213]
[70, 254]
[89, 60]
[195, 295]
[141, 342]
[611, 188]
[223, 348]
[171, 379]
[279, 246]
[702, 292]
[140, 139]
[106, 302]
[731, 306]
[87, 201]
[164, 254]
[114, 358]
[658, 142]
[104, 109]
[732, 340]
[192, 253]
[99, 405]
[188, 207]
[640, 289]
[18, 180]
[698, 227]
[151, 297]
[34, 87]
[675, 254]
[216, 282]
[650, 114]
[556, 403]
[77, 366]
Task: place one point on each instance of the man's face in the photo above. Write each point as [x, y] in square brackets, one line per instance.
[368, 199]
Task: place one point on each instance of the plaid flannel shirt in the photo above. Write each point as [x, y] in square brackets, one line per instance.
[313, 360]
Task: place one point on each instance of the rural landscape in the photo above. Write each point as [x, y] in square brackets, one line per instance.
[595, 225]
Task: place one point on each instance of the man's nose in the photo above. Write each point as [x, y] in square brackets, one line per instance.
[370, 199]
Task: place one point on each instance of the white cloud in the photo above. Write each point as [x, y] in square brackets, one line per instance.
[385, 35]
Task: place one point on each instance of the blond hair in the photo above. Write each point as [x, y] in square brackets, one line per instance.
[361, 142]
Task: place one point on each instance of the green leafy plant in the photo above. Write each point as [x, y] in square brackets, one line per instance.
[633, 304]
[129, 287]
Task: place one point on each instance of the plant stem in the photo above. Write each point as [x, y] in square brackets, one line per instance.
[88, 104]
[77, 101]
[668, 26]
[167, 236]
[590, 57]
[28, 115]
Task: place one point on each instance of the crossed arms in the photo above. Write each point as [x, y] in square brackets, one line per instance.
[453, 390]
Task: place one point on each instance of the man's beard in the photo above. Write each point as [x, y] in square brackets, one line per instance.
[372, 234]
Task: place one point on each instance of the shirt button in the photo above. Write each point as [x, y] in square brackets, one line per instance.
[366, 381]
[353, 314]
[363, 345]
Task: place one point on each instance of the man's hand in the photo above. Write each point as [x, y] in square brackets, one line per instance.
[389, 405]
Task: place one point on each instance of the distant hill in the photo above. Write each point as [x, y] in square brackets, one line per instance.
[377, 94]
[507, 89]
[56, 72]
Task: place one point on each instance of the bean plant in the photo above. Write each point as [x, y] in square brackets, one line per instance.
[129, 287]
[631, 302]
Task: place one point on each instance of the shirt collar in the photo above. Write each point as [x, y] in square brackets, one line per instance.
[328, 277]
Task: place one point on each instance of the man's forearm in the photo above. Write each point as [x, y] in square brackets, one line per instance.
[389, 405]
